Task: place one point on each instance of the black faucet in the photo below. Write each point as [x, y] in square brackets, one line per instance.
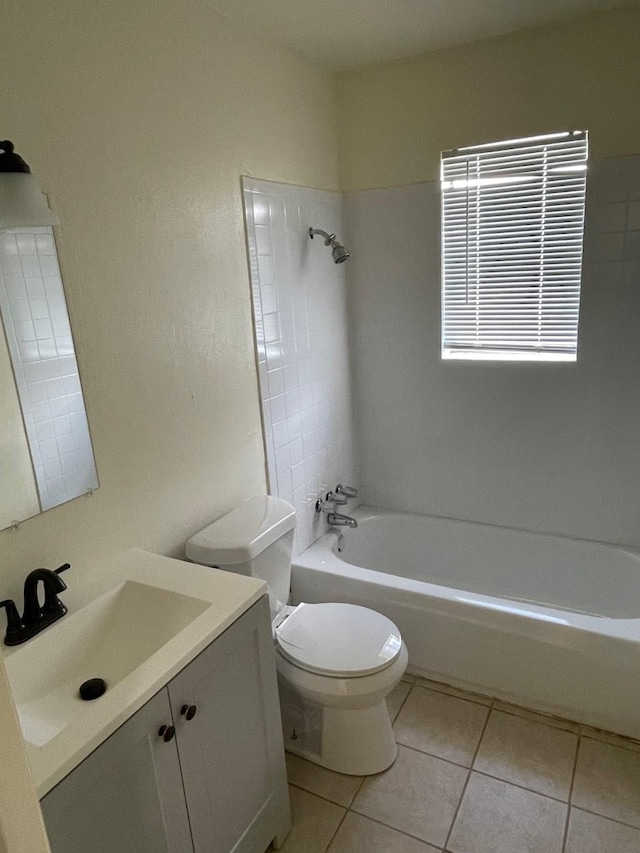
[35, 617]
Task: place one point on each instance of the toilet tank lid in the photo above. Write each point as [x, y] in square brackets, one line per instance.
[243, 533]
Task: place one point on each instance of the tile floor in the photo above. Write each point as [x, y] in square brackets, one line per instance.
[474, 776]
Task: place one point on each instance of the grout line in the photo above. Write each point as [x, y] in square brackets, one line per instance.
[573, 777]
[433, 755]
[321, 796]
[606, 817]
[358, 789]
[466, 784]
[484, 701]
[600, 735]
[402, 704]
[394, 828]
[326, 849]
[522, 787]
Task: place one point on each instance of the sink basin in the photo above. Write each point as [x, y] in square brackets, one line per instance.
[109, 638]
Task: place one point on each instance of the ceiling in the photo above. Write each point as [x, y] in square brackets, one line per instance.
[346, 33]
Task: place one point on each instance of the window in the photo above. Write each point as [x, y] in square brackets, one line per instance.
[512, 230]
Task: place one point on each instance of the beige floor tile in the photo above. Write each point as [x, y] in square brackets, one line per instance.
[480, 698]
[528, 753]
[314, 822]
[607, 781]
[419, 795]
[336, 787]
[441, 725]
[590, 833]
[358, 834]
[495, 817]
[547, 719]
[396, 698]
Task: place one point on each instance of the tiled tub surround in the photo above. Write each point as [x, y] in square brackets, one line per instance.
[302, 339]
[545, 447]
[474, 775]
[548, 622]
[39, 337]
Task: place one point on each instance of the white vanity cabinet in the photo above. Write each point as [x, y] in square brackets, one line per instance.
[216, 785]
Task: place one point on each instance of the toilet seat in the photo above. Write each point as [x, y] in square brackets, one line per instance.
[338, 640]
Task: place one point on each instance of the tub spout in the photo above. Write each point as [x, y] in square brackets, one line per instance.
[338, 520]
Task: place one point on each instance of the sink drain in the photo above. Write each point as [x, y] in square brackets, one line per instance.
[92, 689]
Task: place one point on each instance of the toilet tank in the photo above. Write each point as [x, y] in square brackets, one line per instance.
[253, 539]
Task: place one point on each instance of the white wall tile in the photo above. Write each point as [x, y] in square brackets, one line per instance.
[302, 313]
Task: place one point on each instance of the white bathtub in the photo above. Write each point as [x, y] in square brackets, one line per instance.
[548, 622]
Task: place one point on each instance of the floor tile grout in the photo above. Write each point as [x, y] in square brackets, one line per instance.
[466, 783]
[522, 787]
[394, 828]
[606, 817]
[319, 796]
[565, 836]
[337, 830]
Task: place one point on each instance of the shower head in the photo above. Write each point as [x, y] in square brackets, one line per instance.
[338, 251]
[340, 254]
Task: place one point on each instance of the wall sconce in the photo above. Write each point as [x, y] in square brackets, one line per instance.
[22, 202]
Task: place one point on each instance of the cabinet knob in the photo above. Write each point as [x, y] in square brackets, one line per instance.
[188, 711]
[167, 733]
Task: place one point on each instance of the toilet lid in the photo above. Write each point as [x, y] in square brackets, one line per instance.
[339, 640]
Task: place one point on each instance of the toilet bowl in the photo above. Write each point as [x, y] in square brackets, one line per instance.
[336, 662]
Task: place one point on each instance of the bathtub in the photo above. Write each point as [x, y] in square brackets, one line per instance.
[544, 621]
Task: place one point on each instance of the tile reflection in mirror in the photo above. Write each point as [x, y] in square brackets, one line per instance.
[46, 452]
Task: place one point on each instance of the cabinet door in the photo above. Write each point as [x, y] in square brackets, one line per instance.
[127, 796]
[231, 752]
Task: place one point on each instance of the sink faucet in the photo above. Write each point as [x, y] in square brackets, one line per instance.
[35, 618]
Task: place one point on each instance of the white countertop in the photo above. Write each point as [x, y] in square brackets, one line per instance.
[225, 595]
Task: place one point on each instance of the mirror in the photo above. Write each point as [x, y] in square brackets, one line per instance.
[46, 457]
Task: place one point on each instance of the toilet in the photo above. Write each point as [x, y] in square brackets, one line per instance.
[336, 662]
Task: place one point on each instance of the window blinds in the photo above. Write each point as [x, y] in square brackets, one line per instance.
[512, 230]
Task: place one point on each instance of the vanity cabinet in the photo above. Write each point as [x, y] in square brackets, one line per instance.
[215, 786]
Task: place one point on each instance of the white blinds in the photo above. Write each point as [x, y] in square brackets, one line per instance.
[512, 229]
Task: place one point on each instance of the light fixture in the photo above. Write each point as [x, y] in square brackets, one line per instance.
[22, 202]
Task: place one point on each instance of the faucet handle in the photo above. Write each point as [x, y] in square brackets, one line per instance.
[348, 491]
[52, 603]
[339, 500]
[14, 623]
[325, 505]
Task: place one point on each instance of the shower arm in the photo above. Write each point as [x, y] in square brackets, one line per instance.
[328, 238]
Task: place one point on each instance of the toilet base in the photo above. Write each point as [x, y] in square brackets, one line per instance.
[357, 742]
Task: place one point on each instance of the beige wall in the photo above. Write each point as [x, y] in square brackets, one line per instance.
[396, 118]
[138, 119]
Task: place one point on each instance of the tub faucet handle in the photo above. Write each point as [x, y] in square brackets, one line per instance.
[325, 505]
[348, 491]
[339, 500]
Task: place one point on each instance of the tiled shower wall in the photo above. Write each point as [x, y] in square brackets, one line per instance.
[302, 338]
[38, 334]
[545, 447]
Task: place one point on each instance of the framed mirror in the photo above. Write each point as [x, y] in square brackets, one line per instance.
[46, 456]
